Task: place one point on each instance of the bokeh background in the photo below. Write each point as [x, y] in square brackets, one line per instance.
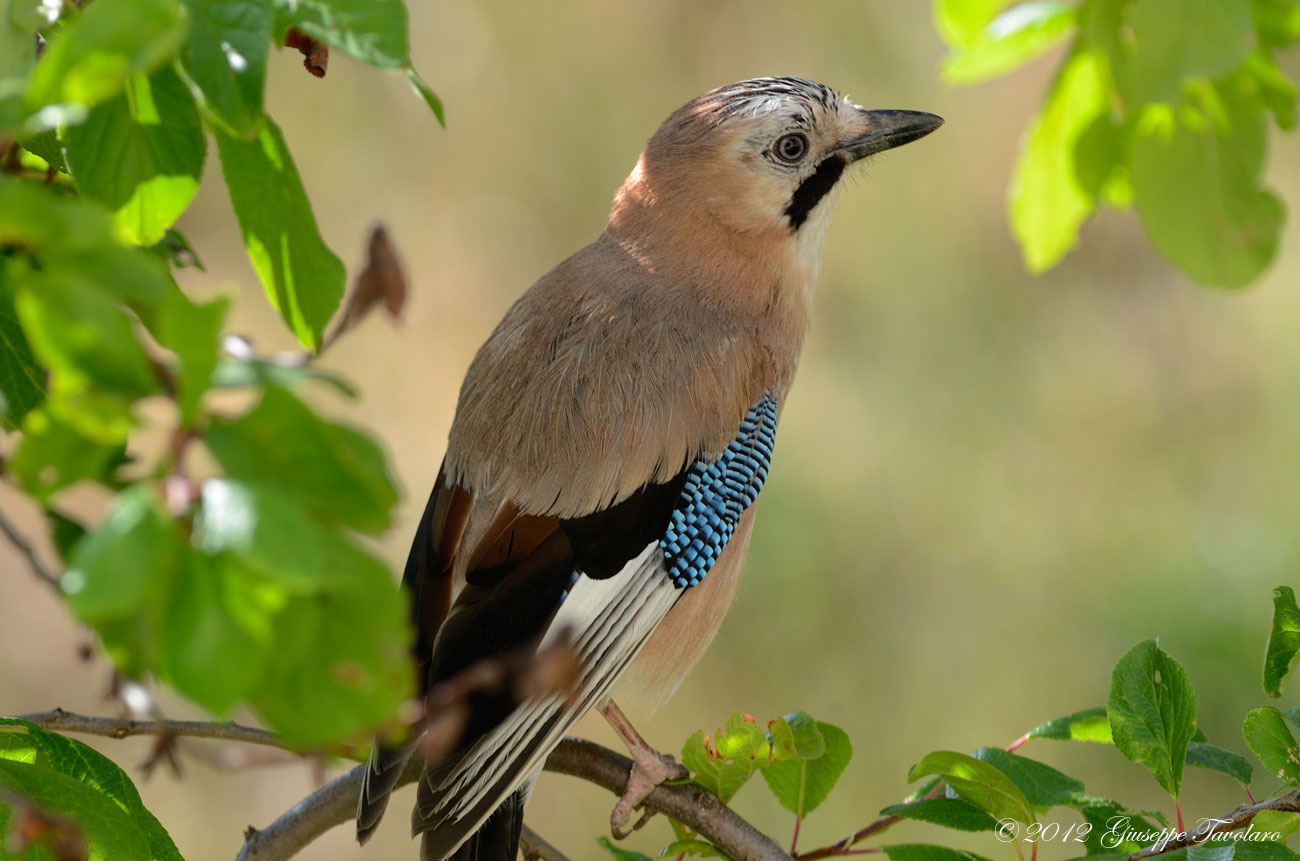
[988, 486]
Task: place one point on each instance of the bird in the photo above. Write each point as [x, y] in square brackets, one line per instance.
[610, 440]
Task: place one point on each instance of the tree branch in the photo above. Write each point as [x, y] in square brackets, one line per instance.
[1234, 821]
[336, 802]
[28, 552]
[535, 848]
[61, 721]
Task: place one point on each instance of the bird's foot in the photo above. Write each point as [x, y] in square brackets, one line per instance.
[649, 769]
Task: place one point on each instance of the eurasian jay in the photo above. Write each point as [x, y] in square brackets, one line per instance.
[609, 443]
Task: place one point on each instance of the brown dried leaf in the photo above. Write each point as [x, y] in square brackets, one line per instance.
[382, 280]
[315, 56]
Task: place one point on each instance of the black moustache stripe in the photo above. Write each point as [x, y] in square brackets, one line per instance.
[813, 189]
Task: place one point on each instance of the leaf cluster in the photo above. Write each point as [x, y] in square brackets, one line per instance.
[1163, 105]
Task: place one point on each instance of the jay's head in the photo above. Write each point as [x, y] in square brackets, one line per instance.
[763, 157]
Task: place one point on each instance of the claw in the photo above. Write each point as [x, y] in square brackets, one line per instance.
[649, 769]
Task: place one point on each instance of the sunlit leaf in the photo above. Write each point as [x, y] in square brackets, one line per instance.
[1049, 201]
[978, 783]
[302, 277]
[1015, 37]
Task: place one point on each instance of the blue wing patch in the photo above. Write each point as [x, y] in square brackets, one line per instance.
[716, 494]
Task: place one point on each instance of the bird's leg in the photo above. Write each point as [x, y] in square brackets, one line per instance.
[649, 769]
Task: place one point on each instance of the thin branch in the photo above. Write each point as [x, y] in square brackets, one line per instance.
[58, 719]
[28, 552]
[1210, 828]
[336, 802]
[536, 848]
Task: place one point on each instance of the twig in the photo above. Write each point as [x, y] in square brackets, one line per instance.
[58, 719]
[1234, 821]
[28, 552]
[536, 848]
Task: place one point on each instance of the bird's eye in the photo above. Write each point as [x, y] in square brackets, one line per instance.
[791, 148]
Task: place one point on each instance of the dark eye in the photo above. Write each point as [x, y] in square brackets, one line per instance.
[790, 148]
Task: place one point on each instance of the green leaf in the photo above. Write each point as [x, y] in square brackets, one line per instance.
[1277, 93]
[84, 338]
[927, 852]
[225, 61]
[946, 812]
[302, 277]
[795, 735]
[619, 853]
[1223, 761]
[1269, 739]
[803, 783]
[1237, 849]
[1196, 179]
[1152, 710]
[1292, 715]
[22, 380]
[337, 473]
[217, 634]
[176, 250]
[1277, 22]
[372, 31]
[962, 22]
[141, 154]
[721, 763]
[1042, 785]
[1278, 822]
[120, 576]
[340, 666]
[1087, 725]
[193, 332]
[1015, 37]
[260, 372]
[91, 58]
[1283, 641]
[270, 533]
[1177, 40]
[53, 456]
[694, 847]
[977, 782]
[1112, 826]
[65, 533]
[25, 742]
[1049, 201]
[108, 830]
[430, 97]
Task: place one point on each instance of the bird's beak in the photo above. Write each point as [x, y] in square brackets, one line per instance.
[884, 130]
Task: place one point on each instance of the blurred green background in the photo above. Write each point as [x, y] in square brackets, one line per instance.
[988, 487]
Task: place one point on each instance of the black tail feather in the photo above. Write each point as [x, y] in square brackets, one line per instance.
[496, 840]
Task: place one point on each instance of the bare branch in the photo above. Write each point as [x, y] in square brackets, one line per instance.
[58, 719]
[336, 802]
[1208, 829]
[536, 848]
[28, 552]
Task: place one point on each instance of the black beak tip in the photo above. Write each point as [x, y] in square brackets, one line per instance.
[891, 129]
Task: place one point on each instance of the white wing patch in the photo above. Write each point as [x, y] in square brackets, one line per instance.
[609, 621]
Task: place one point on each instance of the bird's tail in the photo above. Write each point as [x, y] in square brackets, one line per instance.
[383, 770]
[497, 839]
